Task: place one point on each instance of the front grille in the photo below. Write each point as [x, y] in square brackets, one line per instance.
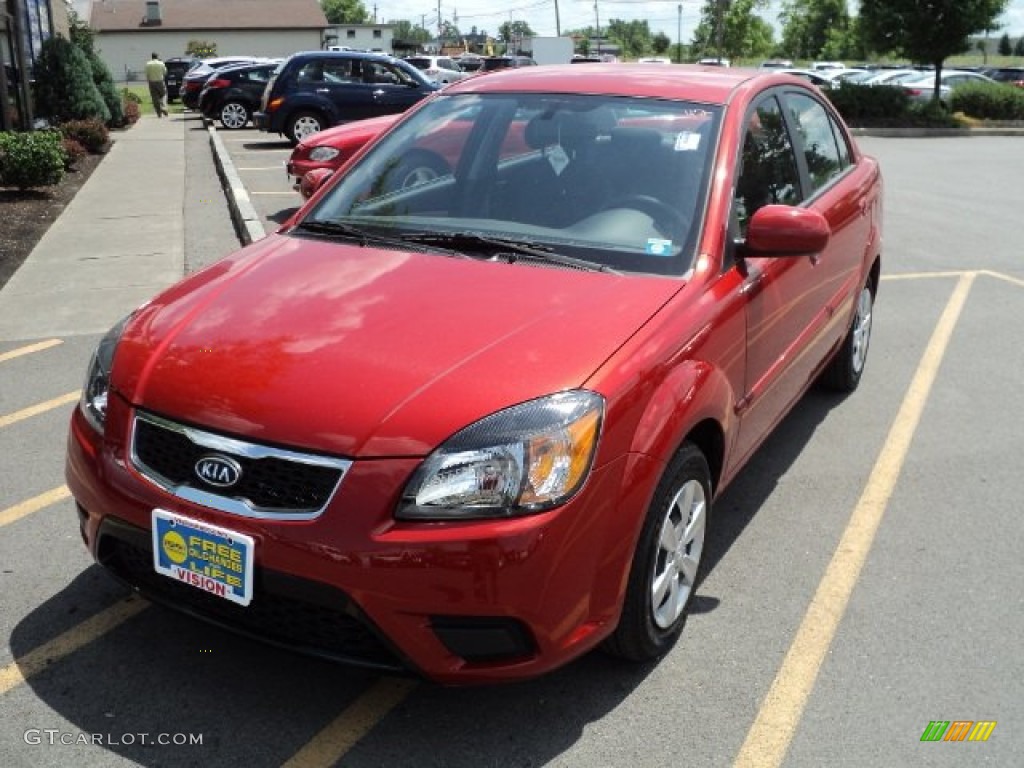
[272, 482]
[301, 615]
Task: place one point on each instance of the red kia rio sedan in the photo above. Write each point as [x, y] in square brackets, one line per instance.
[473, 427]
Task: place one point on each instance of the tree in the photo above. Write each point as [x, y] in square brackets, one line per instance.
[1005, 46]
[405, 31]
[660, 43]
[909, 27]
[807, 24]
[733, 30]
[83, 38]
[1018, 47]
[632, 37]
[512, 34]
[344, 11]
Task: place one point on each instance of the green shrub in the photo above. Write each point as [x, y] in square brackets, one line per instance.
[91, 134]
[128, 96]
[989, 101]
[930, 114]
[64, 87]
[867, 103]
[33, 159]
[73, 152]
[105, 85]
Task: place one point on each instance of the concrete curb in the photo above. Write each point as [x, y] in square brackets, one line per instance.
[243, 213]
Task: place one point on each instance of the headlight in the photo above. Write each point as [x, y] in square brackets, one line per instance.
[97, 380]
[522, 460]
[323, 154]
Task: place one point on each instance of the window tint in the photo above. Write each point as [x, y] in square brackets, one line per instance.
[824, 161]
[768, 174]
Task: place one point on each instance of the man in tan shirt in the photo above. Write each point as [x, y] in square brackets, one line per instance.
[155, 74]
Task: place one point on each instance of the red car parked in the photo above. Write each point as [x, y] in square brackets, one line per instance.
[473, 427]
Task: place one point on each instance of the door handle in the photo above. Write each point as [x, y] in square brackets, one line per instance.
[323, 90]
[378, 93]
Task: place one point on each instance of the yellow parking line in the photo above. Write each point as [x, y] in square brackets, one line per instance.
[331, 744]
[38, 659]
[768, 738]
[35, 410]
[38, 347]
[1001, 276]
[925, 275]
[27, 507]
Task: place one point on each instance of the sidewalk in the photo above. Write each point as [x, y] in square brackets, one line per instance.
[116, 244]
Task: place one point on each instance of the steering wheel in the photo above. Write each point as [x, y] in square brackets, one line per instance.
[667, 219]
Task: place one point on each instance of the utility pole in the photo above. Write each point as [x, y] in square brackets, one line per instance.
[679, 35]
[558, 24]
[597, 21]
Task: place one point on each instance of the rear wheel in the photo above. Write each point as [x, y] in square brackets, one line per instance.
[667, 560]
[234, 115]
[844, 370]
[303, 124]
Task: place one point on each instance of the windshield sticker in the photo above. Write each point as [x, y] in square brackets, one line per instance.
[558, 159]
[656, 247]
[687, 141]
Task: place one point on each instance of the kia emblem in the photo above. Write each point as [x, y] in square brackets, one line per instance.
[219, 471]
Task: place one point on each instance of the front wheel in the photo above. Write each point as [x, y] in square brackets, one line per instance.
[303, 124]
[844, 370]
[666, 562]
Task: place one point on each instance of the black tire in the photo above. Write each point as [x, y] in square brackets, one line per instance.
[304, 123]
[234, 115]
[649, 626]
[417, 167]
[843, 372]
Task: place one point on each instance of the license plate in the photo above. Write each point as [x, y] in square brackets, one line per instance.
[171, 81]
[203, 556]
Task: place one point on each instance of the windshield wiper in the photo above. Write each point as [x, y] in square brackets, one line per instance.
[366, 237]
[507, 247]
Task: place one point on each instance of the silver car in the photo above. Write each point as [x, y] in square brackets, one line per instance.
[441, 69]
[923, 88]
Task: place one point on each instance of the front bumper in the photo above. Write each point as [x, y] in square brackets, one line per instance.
[479, 601]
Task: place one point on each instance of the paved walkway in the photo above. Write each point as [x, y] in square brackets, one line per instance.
[119, 241]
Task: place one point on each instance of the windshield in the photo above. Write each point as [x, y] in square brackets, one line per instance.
[613, 181]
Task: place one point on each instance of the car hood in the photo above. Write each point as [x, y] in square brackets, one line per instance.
[365, 352]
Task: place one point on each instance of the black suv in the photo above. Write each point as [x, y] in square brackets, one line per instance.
[232, 94]
[314, 90]
[177, 67]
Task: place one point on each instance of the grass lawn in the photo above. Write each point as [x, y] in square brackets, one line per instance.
[142, 91]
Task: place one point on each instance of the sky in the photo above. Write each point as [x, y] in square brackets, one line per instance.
[661, 15]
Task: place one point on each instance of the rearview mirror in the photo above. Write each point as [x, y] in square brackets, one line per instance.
[782, 230]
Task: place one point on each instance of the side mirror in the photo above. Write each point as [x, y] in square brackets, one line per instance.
[781, 230]
[313, 180]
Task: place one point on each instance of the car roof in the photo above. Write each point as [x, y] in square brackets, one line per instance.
[711, 85]
[368, 55]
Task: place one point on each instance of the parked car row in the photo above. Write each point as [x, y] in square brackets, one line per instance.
[314, 90]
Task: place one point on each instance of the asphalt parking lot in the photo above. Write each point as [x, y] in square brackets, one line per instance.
[863, 574]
